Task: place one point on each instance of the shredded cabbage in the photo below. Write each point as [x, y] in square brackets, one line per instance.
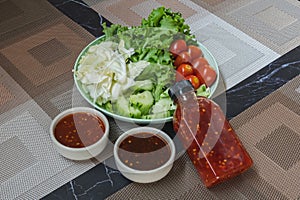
[104, 73]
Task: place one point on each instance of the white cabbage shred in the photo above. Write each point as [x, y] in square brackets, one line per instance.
[104, 73]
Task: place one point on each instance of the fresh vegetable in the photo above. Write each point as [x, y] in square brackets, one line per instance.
[177, 47]
[165, 18]
[150, 44]
[146, 89]
[161, 109]
[191, 65]
[198, 62]
[162, 76]
[207, 73]
[194, 80]
[113, 30]
[128, 72]
[122, 107]
[142, 101]
[203, 71]
[140, 86]
[203, 91]
[183, 57]
[103, 73]
[152, 39]
[194, 52]
[185, 70]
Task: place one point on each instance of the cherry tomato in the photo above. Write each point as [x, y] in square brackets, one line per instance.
[194, 80]
[197, 64]
[177, 47]
[194, 51]
[185, 69]
[201, 61]
[183, 57]
[207, 73]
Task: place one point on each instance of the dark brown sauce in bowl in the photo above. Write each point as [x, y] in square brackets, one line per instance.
[79, 130]
[144, 151]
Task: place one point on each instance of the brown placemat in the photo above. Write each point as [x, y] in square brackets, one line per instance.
[275, 23]
[38, 48]
[222, 39]
[270, 132]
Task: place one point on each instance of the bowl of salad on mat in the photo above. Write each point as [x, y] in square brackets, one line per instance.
[127, 72]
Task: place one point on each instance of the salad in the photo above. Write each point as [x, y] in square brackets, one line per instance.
[129, 71]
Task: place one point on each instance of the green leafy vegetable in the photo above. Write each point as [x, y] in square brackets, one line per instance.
[147, 66]
[114, 29]
[151, 40]
[122, 107]
[141, 86]
[163, 17]
[142, 101]
[203, 91]
[162, 75]
[161, 109]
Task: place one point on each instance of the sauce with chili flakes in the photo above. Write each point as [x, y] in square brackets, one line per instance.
[214, 147]
[144, 151]
[79, 130]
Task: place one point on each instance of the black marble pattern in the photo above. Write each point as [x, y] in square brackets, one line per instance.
[81, 13]
[262, 83]
[98, 183]
[102, 181]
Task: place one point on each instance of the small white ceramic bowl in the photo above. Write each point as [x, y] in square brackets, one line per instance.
[84, 152]
[144, 176]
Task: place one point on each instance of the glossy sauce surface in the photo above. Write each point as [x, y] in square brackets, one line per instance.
[144, 151]
[79, 130]
[214, 147]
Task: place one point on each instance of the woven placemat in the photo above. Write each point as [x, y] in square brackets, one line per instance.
[270, 132]
[38, 48]
[275, 23]
[222, 39]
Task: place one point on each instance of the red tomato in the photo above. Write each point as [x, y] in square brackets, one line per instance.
[183, 57]
[194, 51]
[185, 69]
[177, 47]
[207, 73]
[198, 62]
[194, 80]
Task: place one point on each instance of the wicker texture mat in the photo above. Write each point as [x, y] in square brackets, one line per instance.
[271, 22]
[38, 48]
[237, 54]
[274, 23]
[270, 132]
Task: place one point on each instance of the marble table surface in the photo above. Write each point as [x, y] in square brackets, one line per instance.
[102, 181]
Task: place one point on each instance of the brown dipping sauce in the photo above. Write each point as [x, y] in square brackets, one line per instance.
[144, 151]
[79, 130]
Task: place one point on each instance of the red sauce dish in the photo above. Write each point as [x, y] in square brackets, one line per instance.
[144, 151]
[144, 154]
[80, 133]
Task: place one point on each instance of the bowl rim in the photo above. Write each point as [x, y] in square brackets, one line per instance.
[96, 41]
[79, 110]
[155, 131]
